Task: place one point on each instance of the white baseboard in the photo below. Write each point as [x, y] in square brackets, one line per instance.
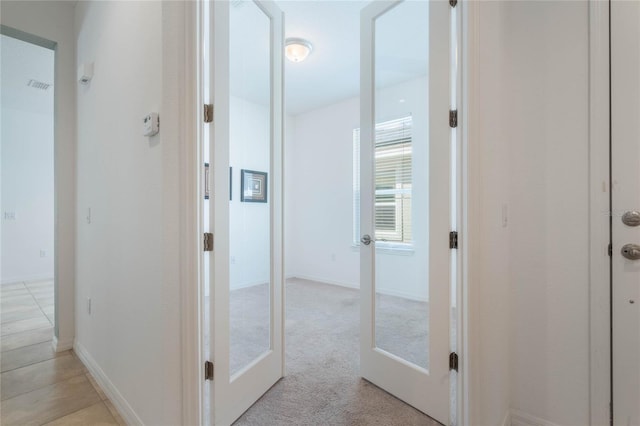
[27, 278]
[520, 418]
[325, 281]
[121, 404]
[246, 285]
[402, 295]
[357, 286]
[506, 421]
[61, 345]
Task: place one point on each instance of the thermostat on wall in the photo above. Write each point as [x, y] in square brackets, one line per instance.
[151, 124]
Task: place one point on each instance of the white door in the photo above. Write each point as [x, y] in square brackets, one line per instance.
[625, 166]
[246, 215]
[405, 185]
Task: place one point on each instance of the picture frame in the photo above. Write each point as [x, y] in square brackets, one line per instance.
[253, 186]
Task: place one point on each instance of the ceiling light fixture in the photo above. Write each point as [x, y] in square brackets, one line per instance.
[297, 49]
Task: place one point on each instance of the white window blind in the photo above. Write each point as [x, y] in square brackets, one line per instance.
[393, 181]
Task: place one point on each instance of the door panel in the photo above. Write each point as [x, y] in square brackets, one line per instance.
[625, 141]
[405, 204]
[246, 214]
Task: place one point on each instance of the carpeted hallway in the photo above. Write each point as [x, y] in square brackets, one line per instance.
[322, 385]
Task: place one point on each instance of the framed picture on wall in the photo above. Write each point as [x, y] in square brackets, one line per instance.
[254, 186]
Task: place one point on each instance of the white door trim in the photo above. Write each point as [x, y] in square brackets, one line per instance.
[467, 40]
[189, 15]
[599, 260]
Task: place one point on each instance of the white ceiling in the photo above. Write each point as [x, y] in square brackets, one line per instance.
[21, 62]
[332, 72]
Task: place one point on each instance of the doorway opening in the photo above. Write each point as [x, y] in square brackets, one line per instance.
[409, 192]
[27, 175]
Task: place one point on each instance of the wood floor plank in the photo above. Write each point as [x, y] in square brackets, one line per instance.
[49, 403]
[95, 415]
[18, 303]
[6, 293]
[20, 315]
[39, 284]
[28, 355]
[34, 376]
[11, 286]
[114, 413]
[96, 387]
[24, 325]
[26, 338]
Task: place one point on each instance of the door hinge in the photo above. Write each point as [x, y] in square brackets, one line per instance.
[208, 370]
[453, 361]
[453, 240]
[208, 113]
[610, 250]
[453, 118]
[453, 3]
[208, 241]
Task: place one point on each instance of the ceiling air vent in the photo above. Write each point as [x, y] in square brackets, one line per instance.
[38, 85]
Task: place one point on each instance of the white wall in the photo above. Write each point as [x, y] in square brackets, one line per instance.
[546, 88]
[249, 222]
[529, 150]
[128, 255]
[53, 21]
[320, 220]
[486, 240]
[27, 162]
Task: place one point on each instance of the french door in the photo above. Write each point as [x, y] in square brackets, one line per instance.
[625, 166]
[246, 278]
[406, 212]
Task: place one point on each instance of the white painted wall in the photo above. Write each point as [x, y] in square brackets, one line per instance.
[128, 255]
[529, 282]
[53, 20]
[546, 88]
[486, 240]
[249, 222]
[27, 192]
[27, 162]
[320, 217]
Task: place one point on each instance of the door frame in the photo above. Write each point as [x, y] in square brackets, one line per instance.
[64, 143]
[599, 215]
[189, 16]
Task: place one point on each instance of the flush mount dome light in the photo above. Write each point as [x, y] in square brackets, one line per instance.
[297, 49]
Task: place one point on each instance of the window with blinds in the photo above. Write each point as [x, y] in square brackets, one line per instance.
[393, 178]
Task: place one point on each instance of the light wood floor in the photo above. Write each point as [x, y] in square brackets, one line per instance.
[37, 385]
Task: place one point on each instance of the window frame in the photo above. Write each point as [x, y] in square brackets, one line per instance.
[397, 247]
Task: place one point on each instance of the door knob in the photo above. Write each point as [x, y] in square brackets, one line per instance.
[631, 251]
[631, 218]
[366, 239]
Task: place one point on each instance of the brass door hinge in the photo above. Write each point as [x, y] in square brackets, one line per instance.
[453, 118]
[208, 370]
[453, 240]
[453, 361]
[208, 241]
[208, 113]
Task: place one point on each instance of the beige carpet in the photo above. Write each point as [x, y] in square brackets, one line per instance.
[322, 385]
